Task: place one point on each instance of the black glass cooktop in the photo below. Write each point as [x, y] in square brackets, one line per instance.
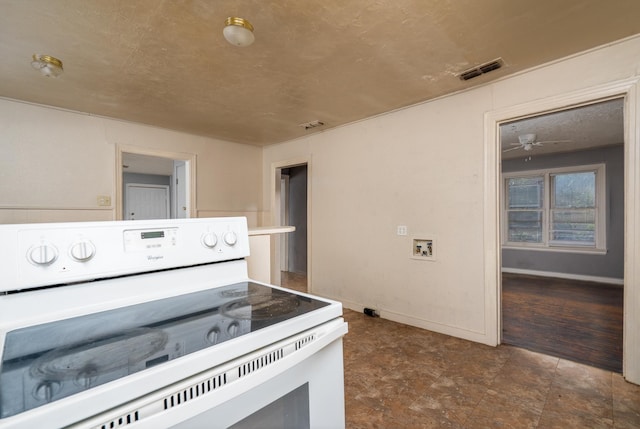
[47, 362]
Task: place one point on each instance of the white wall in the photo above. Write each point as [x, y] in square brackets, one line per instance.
[425, 167]
[54, 164]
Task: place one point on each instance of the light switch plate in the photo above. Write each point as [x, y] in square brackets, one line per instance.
[104, 200]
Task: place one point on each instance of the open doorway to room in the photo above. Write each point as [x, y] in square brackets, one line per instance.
[562, 233]
[154, 185]
[292, 197]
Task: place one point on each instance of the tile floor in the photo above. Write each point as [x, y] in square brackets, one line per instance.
[398, 376]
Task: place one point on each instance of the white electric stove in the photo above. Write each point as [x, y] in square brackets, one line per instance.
[156, 324]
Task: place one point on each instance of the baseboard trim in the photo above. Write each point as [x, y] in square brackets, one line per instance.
[568, 276]
[453, 331]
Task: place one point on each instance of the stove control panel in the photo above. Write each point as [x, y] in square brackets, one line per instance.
[142, 240]
[59, 253]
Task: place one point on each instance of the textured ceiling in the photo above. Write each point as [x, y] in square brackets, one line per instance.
[165, 63]
[585, 127]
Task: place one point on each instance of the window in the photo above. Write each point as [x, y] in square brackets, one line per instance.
[525, 202]
[561, 209]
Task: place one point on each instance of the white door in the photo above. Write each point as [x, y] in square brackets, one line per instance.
[146, 202]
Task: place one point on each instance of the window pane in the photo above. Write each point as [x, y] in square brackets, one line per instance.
[525, 226]
[576, 226]
[525, 192]
[574, 190]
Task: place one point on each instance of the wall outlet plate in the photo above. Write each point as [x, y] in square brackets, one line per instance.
[402, 230]
[423, 248]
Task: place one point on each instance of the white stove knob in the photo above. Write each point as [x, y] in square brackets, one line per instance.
[82, 251]
[210, 239]
[230, 238]
[42, 254]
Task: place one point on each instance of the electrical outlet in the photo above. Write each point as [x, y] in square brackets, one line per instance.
[402, 230]
[104, 200]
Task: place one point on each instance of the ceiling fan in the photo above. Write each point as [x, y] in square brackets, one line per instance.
[528, 141]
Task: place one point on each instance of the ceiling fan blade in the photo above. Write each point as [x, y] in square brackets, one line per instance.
[554, 141]
[513, 148]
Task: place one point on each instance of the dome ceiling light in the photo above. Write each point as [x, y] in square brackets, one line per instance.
[238, 31]
[49, 66]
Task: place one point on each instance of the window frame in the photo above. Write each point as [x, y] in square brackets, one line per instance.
[547, 244]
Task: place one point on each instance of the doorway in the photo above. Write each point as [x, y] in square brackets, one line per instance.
[562, 232]
[291, 202]
[154, 184]
[627, 89]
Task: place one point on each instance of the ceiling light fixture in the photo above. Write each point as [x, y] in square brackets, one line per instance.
[49, 66]
[238, 31]
[527, 140]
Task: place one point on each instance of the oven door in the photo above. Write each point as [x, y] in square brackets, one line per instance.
[308, 395]
[302, 389]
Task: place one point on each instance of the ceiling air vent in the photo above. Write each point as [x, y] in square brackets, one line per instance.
[312, 124]
[481, 69]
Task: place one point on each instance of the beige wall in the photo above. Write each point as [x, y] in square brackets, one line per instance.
[425, 167]
[55, 163]
[419, 168]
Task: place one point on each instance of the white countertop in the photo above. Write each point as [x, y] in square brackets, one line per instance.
[267, 230]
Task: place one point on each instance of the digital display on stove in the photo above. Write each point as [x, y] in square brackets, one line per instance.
[152, 234]
[77, 354]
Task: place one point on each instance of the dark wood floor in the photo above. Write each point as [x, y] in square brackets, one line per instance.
[574, 320]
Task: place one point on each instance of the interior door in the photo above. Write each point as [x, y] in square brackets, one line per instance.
[147, 202]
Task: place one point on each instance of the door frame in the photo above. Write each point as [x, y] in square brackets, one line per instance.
[628, 90]
[276, 216]
[284, 220]
[190, 167]
[175, 206]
